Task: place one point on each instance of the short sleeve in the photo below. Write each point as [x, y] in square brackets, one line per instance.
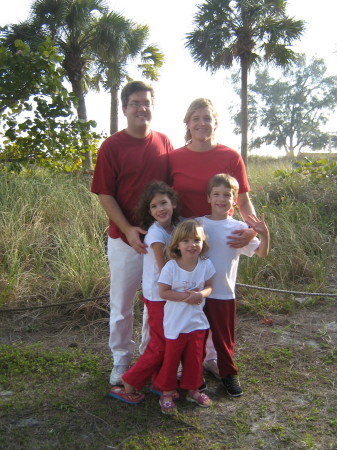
[106, 171]
[210, 270]
[166, 274]
[249, 250]
[155, 234]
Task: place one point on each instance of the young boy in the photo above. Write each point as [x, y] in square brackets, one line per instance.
[220, 308]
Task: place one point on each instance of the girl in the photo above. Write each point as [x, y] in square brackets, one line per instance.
[184, 282]
[157, 212]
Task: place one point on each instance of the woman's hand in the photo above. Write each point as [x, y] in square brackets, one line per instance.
[241, 238]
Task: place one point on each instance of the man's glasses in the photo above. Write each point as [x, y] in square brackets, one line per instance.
[137, 105]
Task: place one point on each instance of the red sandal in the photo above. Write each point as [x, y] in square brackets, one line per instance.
[199, 397]
[167, 404]
[131, 398]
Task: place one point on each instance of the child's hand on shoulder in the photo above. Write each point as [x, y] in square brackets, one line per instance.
[258, 225]
[194, 298]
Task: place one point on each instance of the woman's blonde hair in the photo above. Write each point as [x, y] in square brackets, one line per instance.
[197, 104]
[185, 229]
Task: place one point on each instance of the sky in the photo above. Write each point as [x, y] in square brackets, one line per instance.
[181, 80]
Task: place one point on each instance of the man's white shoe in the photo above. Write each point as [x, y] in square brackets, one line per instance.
[212, 367]
[116, 375]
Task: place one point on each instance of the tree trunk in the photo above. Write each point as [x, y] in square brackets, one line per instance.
[113, 109]
[244, 109]
[291, 148]
[82, 117]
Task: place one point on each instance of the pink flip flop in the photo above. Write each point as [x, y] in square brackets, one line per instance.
[130, 398]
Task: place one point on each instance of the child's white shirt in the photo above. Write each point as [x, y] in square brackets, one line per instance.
[156, 233]
[224, 258]
[181, 317]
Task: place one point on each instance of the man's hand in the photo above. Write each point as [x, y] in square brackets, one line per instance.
[241, 238]
[133, 237]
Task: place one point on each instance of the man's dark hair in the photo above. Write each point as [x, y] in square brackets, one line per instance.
[132, 87]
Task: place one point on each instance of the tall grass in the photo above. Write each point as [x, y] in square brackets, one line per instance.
[302, 221]
[52, 241]
[53, 235]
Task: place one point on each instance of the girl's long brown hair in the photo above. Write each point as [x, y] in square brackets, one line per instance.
[143, 216]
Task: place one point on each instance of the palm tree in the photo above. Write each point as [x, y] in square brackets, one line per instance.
[249, 31]
[72, 25]
[118, 42]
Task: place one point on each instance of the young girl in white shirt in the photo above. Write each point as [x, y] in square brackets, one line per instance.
[184, 282]
[157, 213]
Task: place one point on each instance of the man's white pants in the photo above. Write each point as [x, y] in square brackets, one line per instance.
[126, 267]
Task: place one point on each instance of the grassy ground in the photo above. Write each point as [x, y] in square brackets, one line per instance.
[54, 386]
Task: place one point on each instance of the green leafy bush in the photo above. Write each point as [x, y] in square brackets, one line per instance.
[320, 171]
[37, 114]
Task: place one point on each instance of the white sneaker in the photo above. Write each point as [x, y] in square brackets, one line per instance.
[212, 367]
[180, 371]
[116, 375]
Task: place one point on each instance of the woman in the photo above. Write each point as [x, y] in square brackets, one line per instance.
[191, 168]
[201, 158]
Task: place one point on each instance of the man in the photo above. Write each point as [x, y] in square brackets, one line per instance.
[127, 161]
